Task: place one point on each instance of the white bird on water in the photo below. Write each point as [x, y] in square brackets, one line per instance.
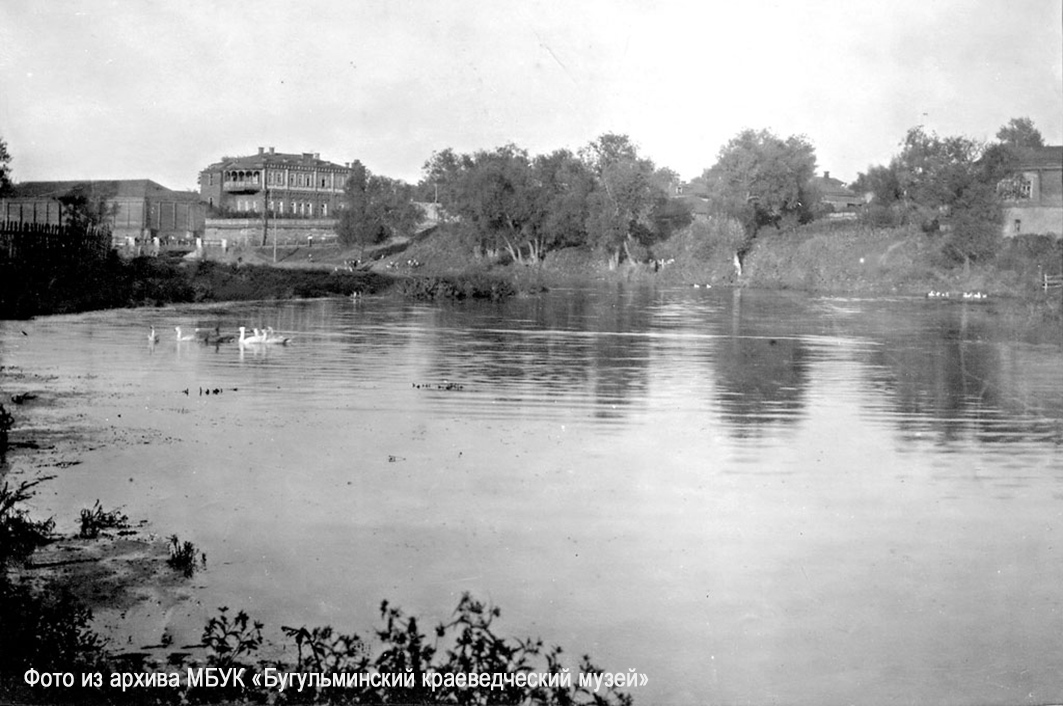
[153, 337]
[184, 336]
[259, 337]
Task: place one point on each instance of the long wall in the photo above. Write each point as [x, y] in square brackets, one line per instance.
[249, 231]
[1038, 220]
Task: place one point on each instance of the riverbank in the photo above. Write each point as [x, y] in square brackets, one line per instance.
[836, 258]
[824, 257]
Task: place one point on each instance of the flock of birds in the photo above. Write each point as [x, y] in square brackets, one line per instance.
[934, 294]
[214, 336]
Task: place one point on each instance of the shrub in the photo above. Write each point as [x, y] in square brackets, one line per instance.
[19, 535]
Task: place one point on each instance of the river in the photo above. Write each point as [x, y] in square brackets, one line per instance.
[750, 497]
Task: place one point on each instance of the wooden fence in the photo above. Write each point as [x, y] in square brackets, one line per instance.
[23, 242]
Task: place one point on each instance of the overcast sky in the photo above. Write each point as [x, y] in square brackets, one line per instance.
[129, 89]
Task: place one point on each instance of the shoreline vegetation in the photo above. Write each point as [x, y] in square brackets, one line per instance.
[833, 258]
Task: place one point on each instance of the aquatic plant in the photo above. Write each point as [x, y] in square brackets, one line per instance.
[97, 519]
[325, 650]
[475, 286]
[183, 556]
[229, 640]
[466, 644]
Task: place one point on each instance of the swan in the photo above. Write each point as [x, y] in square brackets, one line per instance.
[184, 336]
[246, 340]
[153, 337]
[274, 337]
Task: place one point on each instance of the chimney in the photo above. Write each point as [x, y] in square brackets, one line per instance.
[317, 155]
[826, 175]
[271, 150]
[261, 150]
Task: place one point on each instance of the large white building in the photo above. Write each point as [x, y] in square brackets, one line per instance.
[285, 185]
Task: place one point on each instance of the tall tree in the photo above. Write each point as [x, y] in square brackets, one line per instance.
[1021, 133]
[375, 208]
[759, 179]
[627, 196]
[953, 182]
[442, 181]
[496, 198]
[561, 184]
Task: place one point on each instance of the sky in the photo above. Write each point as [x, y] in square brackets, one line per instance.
[138, 89]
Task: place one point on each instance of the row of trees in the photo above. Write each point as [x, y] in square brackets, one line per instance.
[607, 196]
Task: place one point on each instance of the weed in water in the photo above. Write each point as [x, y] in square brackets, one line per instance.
[183, 556]
[96, 520]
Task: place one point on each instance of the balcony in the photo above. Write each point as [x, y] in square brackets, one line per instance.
[241, 187]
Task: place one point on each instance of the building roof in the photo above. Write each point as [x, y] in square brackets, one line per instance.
[1049, 156]
[106, 189]
[829, 187]
[264, 158]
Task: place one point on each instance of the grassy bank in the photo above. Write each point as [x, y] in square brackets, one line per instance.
[33, 289]
[825, 257]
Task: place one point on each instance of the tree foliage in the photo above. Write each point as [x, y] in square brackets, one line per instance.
[1021, 133]
[606, 197]
[5, 169]
[375, 208]
[761, 179]
[952, 184]
[629, 205]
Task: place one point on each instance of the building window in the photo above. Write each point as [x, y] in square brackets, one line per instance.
[324, 210]
[210, 179]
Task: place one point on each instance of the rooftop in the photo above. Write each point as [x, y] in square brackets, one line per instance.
[1041, 157]
[270, 157]
[107, 188]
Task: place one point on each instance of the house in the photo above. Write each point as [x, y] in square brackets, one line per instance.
[838, 199]
[1034, 199]
[132, 208]
[287, 185]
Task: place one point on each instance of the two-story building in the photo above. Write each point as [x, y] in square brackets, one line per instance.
[284, 185]
[1036, 206]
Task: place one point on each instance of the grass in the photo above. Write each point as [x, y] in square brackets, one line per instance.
[184, 556]
[96, 519]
